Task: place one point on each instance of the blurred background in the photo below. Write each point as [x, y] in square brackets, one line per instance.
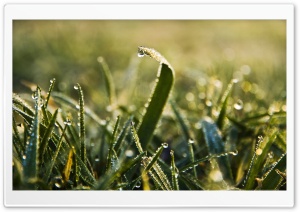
[205, 55]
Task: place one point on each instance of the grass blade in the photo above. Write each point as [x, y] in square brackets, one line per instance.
[68, 166]
[82, 124]
[153, 159]
[258, 158]
[222, 114]
[216, 146]
[174, 171]
[52, 82]
[136, 138]
[272, 178]
[31, 160]
[109, 84]
[159, 96]
[47, 135]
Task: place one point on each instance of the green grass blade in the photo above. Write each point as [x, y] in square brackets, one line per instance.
[159, 96]
[216, 146]
[122, 135]
[82, 124]
[31, 160]
[222, 114]
[258, 158]
[47, 135]
[53, 160]
[109, 84]
[110, 177]
[272, 178]
[153, 159]
[19, 101]
[52, 82]
[174, 171]
[19, 144]
[136, 138]
[181, 121]
[111, 150]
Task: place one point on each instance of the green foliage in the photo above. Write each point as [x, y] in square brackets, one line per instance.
[61, 144]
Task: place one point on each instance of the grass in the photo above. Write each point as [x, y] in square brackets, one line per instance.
[187, 134]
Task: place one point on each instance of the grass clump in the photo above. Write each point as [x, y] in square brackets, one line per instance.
[61, 144]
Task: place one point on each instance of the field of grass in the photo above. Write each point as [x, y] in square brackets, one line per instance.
[202, 106]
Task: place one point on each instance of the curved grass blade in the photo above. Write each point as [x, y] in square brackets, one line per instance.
[272, 178]
[158, 98]
[82, 124]
[258, 158]
[109, 84]
[222, 114]
[47, 135]
[19, 101]
[216, 146]
[31, 161]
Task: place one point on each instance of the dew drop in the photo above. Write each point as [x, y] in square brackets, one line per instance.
[208, 103]
[191, 141]
[140, 54]
[238, 105]
[129, 153]
[56, 124]
[258, 151]
[24, 157]
[97, 159]
[235, 81]
[58, 185]
[138, 184]
[76, 87]
[33, 95]
[68, 122]
[165, 145]
[52, 80]
[236, 152]
[77, 107]
[172, 153]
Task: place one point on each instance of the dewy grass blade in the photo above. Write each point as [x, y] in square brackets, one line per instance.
[82, 124]
[53, 160]
[31, 158]
[174, 171]
[222, 114]
[158, 98]
[122, 135]
[19, 144]
[52, 82]
[47, 135]
[272, 178]
[258, 158]
[153, 159]
[216, 146]
[110, 87]
[111, 150]
[67, 170]
[136, 138]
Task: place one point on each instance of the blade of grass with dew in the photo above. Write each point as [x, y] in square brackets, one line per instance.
[53, 160]
[31, 161]
[216, 146]
[109, 84]
[82, 124]
[111, 146]
[158, 98]
[122, 135]
[153, 159]
[136, 138]
[110, 177]
[17, 140]
[258, 158]
[191, 181]
[19, 101]
[47, 135]
[174, 171]
[272, 178]
[52, 82]
[222, 114]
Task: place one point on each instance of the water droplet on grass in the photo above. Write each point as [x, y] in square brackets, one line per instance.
[140, 54]
[76, 87]
[129, 153]
[191, 141]
[52, 80]
[138, 184]
[238, 105]
[77, 107]
[33, 95]
[165, 145]
[24, 157]
[258, 151]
